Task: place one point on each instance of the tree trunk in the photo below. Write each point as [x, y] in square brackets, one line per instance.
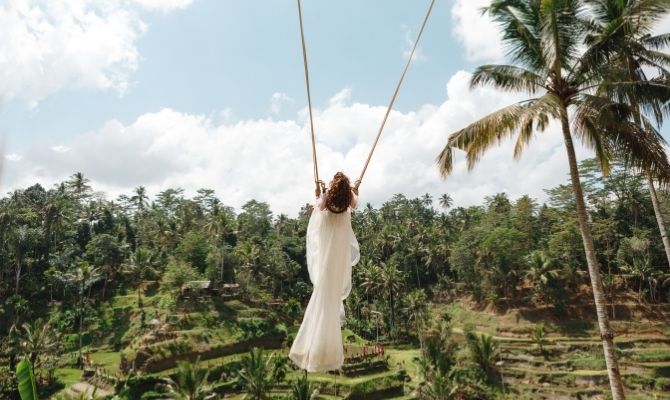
[659, 217]
[104, 286]
[606, 333]
[81, 323]
[18, 266]
[416, 270]
[17, 279]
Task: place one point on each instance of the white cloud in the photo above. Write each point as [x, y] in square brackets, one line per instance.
[271, 160]
[278, 100]
[14, 157]
[50, 45]
[477, 33]
[663, 26]
[163, 5]
[409, 43]
[60, 148]
[226, 114]
[341, 97]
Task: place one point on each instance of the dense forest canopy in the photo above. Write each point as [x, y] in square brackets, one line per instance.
[504, 251]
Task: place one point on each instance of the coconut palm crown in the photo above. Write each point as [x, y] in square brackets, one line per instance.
[570, 77]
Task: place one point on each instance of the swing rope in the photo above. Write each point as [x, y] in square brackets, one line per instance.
[395, 94]
[309, 103]
[388, 109]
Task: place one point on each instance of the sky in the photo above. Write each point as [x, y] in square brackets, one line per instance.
[211, 94]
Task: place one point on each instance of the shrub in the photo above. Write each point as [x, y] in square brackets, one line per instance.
[253, 327]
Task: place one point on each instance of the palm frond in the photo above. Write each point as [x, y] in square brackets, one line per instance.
[536, 118]
[479, 136]
[508, 78]
[641, 146]
[657, 42]
[445, 161]
[560, 34]
[518, 21]
[650, 95]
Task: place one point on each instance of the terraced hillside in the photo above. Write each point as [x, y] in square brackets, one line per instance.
[562, 361]
[566, 362]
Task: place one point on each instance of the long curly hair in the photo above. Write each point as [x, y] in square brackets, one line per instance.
[338, 196]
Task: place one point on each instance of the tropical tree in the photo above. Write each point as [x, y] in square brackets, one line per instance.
[540, 271]
[21, 240]
[635, 262]
[140, 199]
[79, 186]
[177, 275]
[624, 36]
[545, 39]
[83, 277]
[35, 340]
[104, 252]
[438, 358]
[416, 305]
[189, 384]
[301, 389]
[140, 263]
[484, 351]
[390, 283]
[446, 201]
[260, 374]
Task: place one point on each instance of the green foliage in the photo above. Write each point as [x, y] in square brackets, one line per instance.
[254, 327]
[539, 335]
[301, 389]
[194, 249]
[587, 360]
[177, 274]
[8, 389]
[190, 383]
[260, 373]
[36, 341]
[484, 352]
[26, 380]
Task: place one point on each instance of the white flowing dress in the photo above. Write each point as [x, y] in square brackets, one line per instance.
[332, 249]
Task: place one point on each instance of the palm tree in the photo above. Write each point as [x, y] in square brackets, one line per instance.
[416, 309]
[140, 199]
[55, 219]
[140, 263]
[35, 340]
[83, 277]
[190, 383]
[540, 271]
[544, 39]
[446, 201]
[624, 29]
[390, 281]
[438, 357]
[79, 186]
[260, 374]
[634, 260]
[301, 389]
[484, 351]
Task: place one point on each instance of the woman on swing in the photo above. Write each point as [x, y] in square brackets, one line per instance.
[332, 249]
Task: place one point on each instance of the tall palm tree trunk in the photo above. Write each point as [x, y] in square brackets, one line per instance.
[606, 333]
[659, 217]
